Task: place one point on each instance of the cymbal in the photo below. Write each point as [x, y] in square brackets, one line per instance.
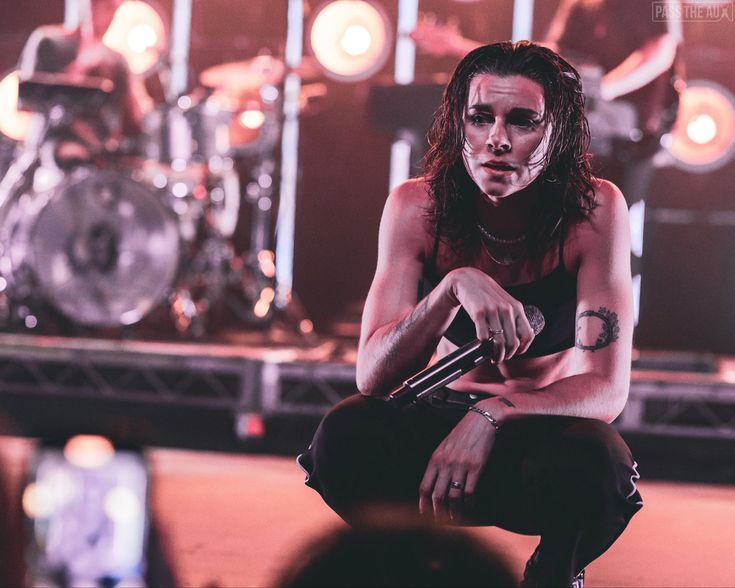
[241, 76]
[238, 77]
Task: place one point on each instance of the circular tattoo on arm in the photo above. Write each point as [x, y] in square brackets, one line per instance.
[604, 321]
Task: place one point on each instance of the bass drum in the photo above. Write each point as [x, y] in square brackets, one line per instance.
[101, 248]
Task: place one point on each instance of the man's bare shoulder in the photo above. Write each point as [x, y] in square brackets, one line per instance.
[611, 206]
[406, 223]
[411, 193]
[606, 224]
[606, 191]
[409, 198]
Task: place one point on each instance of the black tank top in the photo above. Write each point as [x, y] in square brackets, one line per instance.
[555, 295]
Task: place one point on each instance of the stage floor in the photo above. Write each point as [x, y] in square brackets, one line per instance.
[237, 520]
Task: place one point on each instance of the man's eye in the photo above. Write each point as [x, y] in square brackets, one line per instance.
[479, 119]
[526, 123]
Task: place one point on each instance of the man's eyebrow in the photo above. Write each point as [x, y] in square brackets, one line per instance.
[529, 112]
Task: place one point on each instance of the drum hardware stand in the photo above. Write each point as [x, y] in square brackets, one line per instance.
[43, 94]
[253, 271]
[215, 273]
[270, 294]
[287, 305]
[20, 173]
[250, 278]
[16, 181]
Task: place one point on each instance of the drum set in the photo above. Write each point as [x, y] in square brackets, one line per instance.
[107, 240]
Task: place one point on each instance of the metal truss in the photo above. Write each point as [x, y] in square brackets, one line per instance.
[248, 381]
[30, 367]
[693, 409]
[696, 408]
[305, 388]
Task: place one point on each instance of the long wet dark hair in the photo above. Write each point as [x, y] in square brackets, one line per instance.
[569, 195]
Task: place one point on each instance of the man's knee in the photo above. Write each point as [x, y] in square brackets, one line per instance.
[351, 423]
[359, 458]
[601, 470]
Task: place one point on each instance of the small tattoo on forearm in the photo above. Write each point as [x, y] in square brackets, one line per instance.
[603, 321]
[505, 401]
[415, 314]
[395, 337]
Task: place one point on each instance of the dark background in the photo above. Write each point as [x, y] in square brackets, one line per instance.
[688, 271]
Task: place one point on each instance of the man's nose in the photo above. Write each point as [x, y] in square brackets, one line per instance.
[497, 138]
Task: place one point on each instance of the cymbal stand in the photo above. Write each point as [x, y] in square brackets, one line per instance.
[16, 181]
[286, 301]
[21, 170]
[267, 275]
[252, 273]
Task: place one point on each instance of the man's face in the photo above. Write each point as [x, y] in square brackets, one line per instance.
[506, 137]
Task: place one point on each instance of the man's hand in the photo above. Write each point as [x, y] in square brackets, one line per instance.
[496, 313]
[441, 39]
[448, 487]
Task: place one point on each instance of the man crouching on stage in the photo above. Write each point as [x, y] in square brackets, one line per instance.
[507, 215]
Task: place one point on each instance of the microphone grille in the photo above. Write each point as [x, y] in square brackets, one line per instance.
[535, 318]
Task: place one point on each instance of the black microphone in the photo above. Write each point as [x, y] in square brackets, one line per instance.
[452, 366]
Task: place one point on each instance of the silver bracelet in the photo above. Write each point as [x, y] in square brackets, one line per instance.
[487, 415]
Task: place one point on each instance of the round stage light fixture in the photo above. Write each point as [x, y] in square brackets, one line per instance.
[350, 39]
[88, 451]
[252, 118]
[13, 122]
[703, 138]
[138, 31]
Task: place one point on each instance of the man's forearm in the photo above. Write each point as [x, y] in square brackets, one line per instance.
[640, 68]
[400, 349]
[586, 395]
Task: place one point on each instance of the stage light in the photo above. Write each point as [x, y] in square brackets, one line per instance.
[350, 39]
[250, 425]
[38, 501]
[88, 451]
[356, 40]
[268, 294]
[267, 263]
[703, 138]
[122, 505]
[261, 308]
[13, 122]
[264, 303]
[138, 32]
[702, 129]
[252, 118]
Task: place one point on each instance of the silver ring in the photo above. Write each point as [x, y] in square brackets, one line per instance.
[496, 332]
[457, 485]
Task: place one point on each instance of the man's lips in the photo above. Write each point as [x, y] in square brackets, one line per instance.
[498, 166]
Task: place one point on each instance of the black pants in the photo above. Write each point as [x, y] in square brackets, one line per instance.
[570, 480]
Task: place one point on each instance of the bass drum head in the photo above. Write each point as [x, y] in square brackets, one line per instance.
[105, 250]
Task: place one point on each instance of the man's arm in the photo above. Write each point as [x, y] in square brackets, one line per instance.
[640, 68]
[398, 336]
[442, 40]
[604, 324]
